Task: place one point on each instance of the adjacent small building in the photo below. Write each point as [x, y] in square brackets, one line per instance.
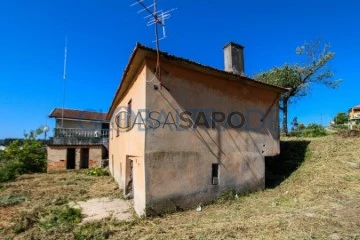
[354, 114]
[181, 133]
[80, 141]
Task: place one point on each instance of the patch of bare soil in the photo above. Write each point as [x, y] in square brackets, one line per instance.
[104, 208]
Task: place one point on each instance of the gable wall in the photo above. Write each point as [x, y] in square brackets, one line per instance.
[179, 163]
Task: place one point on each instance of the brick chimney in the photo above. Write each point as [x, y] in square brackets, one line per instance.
[234, 58]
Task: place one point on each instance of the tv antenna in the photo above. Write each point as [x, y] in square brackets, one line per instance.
[64, 78]
[157, 18]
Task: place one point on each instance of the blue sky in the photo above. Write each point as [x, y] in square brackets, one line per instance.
[102, 35]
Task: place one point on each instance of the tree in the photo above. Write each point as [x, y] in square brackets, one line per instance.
[28, 156]
[294, 124]
[298, 78]
[341, 118]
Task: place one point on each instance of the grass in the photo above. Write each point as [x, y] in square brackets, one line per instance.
[314, 194]
[44, 211]
[10, 200]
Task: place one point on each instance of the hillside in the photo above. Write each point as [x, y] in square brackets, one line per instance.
[313, 193]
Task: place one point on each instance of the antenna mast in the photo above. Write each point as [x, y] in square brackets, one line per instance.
[157, 18]
[64, 78]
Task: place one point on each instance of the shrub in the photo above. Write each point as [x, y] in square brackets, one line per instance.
[9, 171]
[311, 130]
[314, 130]
[97, 172]
[27, 156]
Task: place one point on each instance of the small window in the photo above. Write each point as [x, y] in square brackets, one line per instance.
[215, 174]
[117, 125]
[129, 112]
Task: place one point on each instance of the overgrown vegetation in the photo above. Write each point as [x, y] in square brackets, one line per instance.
[311, 130]
[97, 171]
[28, 156]
[315, 195]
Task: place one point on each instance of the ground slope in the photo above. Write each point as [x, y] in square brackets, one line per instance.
[313, 193]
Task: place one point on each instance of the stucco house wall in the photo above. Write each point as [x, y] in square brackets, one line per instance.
[179, 162]
[130, 145]
[173, 168]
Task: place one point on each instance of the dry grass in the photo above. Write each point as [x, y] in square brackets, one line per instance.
[320, 199]
[44, 191]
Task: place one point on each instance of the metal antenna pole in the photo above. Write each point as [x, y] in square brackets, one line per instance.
[64, 78]
[157, 43]
[157, 17]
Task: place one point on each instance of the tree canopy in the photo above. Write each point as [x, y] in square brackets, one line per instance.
[299, 77]
[341, 118]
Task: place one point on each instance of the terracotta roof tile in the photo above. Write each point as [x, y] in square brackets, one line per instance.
[78, 114]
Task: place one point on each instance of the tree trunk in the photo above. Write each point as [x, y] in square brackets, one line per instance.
[285, 117]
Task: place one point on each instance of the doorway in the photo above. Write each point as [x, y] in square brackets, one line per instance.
[70, 158]
[130, 179]
[84, 158]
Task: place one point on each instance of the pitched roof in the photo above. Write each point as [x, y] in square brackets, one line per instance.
[141, 52]
[356, 107]
[78, 114]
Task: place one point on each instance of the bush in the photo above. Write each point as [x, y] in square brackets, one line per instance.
[27, 156]
[9, 171]
[97, 172]
[311, 130]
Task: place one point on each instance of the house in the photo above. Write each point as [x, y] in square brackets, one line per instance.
[354, 115]
[198, 131]
[80, 140]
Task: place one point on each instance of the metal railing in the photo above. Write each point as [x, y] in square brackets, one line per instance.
[78, 136]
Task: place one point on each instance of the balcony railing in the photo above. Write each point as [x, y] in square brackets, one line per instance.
[78, 136]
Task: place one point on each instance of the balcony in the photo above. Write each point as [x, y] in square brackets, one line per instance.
[355, 116]
[78, 136]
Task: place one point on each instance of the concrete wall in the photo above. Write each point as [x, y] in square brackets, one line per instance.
[178, 164]
[57, 157]
[130, 145]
